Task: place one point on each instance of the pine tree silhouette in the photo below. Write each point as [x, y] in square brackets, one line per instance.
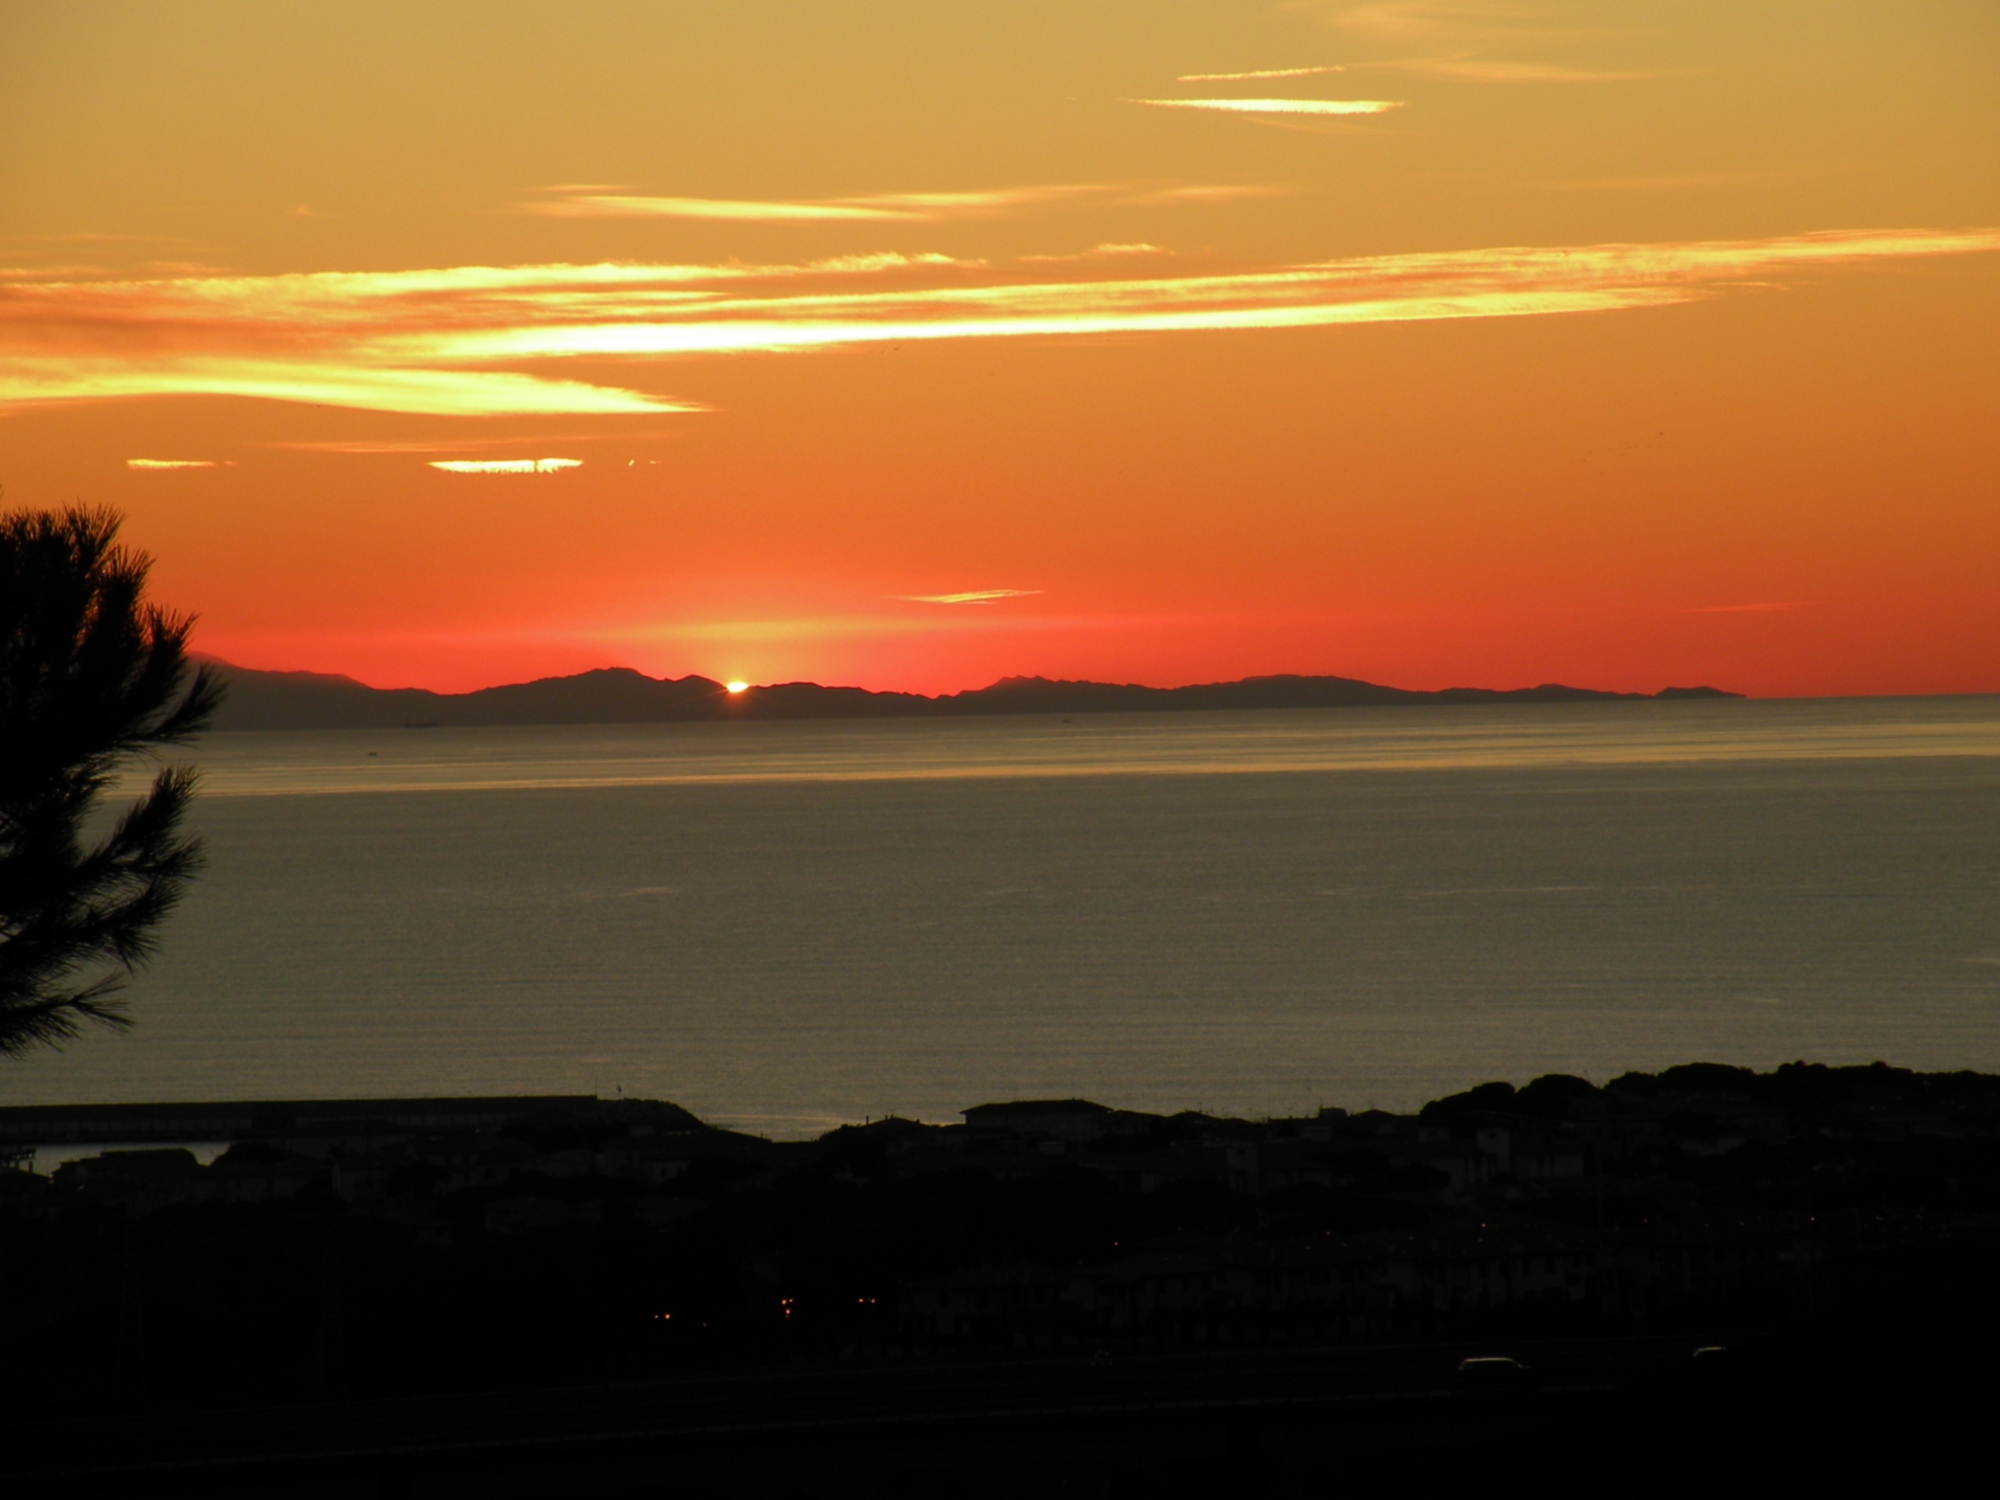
[91, 676]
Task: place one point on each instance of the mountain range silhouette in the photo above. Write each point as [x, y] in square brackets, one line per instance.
[619, 695]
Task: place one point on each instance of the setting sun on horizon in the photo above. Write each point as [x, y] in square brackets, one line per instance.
[912, 347]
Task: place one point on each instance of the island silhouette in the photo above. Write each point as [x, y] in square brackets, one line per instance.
[619, 695]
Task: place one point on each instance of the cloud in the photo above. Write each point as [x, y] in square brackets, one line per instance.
[1280, 106]
[905, 208]
[454, 340]
[1260, 73]
[975, 596]
[1095, 252]
[505, 465]
[172, 463]
[618, 206]
[361, 384]
[1198, 193]
[984, 202]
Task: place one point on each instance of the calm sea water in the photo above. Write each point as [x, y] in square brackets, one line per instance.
[783, 926]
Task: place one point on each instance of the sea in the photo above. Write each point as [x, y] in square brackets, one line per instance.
[789, 926]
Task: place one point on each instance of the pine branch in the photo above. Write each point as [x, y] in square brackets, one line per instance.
[90, 677]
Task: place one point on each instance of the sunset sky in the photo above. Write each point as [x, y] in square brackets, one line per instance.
[1490, 342]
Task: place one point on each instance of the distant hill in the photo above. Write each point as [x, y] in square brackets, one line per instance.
[617, 695]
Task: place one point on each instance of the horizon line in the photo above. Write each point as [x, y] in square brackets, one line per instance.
[721, 684]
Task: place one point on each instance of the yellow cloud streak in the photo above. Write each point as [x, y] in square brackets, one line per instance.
[620, 206]
[1259, 73]
[1280, 106]
[913, 208]
[739, 336]
[437, 341]
[506, 465]
[1481, 283]
[337, 380]
[974, 596]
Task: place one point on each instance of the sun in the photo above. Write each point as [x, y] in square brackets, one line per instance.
[736, 687]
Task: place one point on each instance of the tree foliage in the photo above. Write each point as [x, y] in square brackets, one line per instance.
[91, 676]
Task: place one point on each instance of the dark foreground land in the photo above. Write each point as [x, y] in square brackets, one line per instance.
[580, 1296]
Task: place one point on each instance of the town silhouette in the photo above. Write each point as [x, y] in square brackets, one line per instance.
[567, 1293]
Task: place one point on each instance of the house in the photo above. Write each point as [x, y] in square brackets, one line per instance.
[361, 1179]
[1538, 1157]
[337, 1139]
[255, 1173]
[648, 1161]
[472, 1161]
[136, 1179]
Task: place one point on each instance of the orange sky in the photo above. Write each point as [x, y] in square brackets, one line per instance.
[912, 345]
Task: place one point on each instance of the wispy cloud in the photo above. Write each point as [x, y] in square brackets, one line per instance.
[453, 340]
[172, 463]
[1280, 106]
[1200, 193]
[1259, 73]
[1095, 252]
[982, 203]
[740, 211]
[974, 596]
[594, 202]
[361, 384]
[506, 465]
